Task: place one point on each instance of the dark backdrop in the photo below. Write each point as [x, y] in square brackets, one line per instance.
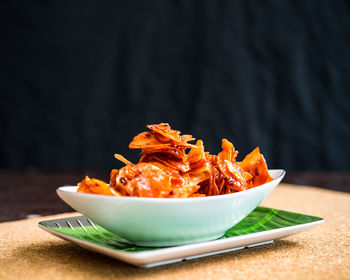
[79, 79]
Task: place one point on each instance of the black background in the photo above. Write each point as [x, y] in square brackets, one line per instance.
[79, 79]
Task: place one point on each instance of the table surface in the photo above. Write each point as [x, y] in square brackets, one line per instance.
[323, 252]
[26, 194]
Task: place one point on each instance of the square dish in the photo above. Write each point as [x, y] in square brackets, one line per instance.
[261, 226]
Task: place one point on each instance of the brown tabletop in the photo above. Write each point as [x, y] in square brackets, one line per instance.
[25, 194]
[323, 252]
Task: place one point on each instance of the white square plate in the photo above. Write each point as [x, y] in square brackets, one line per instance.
[260, 227]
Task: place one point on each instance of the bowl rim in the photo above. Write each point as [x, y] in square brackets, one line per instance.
[68, 189]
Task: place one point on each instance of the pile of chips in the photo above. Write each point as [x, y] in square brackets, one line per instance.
[165, 170]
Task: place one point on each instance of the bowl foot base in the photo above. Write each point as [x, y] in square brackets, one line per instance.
[177, 242]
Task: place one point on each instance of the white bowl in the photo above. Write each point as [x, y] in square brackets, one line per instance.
[168, 221]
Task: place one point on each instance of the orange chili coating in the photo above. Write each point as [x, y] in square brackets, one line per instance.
[166, 170]
[95, 186]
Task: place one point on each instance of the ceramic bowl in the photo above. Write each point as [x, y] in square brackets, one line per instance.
[168, 221]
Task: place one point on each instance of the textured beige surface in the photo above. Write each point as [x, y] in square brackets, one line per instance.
[323, 252]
